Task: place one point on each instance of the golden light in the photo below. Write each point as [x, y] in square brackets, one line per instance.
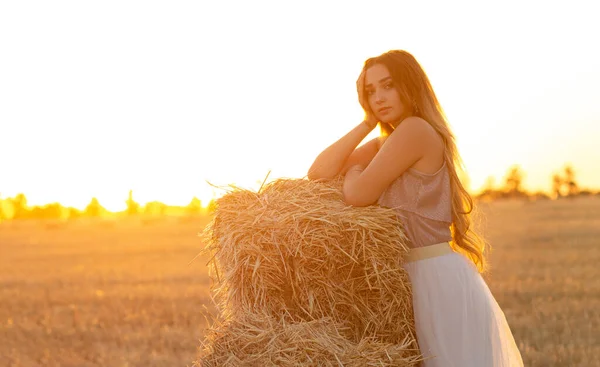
[160, 110]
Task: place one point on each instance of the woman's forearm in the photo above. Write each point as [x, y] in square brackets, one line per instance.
[331, 161]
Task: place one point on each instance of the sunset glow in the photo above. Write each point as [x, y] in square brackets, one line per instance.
[159, 98]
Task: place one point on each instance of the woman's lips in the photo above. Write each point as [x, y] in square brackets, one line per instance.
[385, 110]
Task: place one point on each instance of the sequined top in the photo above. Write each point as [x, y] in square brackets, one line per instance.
[423, 203]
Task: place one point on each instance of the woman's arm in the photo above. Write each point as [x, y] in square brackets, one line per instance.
[405, 146]
[332, 160]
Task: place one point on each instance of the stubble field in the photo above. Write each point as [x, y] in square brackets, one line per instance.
[124, 293]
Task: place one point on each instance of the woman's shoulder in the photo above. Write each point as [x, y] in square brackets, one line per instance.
[416, 123]
[422, 136]
[415, 127]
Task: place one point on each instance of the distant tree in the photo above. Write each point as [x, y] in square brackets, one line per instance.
[20, 208]
[565, 184]
[7, 209]
[539, 195]
[194, 207]
[73, 213]
[49, 211]
[36, 212]
[54, 210]
[93, 209]
[572, 187]
[133, 208]
[488, 191]
[2, 215]
[155, 208]
[585, 193]
[557, 184]
[513, 182]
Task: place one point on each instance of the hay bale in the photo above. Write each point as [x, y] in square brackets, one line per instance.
[297, 253]
[261, 340]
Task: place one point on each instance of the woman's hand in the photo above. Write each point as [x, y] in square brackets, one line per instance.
[370, 120]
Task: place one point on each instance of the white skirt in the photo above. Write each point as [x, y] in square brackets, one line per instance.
[458, 321]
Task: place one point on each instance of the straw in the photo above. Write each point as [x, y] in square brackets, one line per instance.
[294, 255]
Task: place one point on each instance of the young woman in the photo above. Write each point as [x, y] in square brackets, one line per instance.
[413, 168]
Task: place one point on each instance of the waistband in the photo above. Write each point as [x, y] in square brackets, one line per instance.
[426, 252]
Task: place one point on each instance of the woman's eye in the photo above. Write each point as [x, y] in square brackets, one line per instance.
[389, 85]
[369, 92]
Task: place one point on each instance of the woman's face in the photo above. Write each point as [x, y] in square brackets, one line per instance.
[382, 95]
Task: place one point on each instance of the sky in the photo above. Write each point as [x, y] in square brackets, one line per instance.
[162, 97]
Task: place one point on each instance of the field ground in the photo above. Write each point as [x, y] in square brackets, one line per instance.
[105, 293]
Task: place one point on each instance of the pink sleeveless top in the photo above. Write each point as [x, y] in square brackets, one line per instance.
[423, 203]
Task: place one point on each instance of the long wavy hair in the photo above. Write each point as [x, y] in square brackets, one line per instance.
[419, 99]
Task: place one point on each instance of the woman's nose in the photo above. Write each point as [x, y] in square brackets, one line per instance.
[379, 97]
